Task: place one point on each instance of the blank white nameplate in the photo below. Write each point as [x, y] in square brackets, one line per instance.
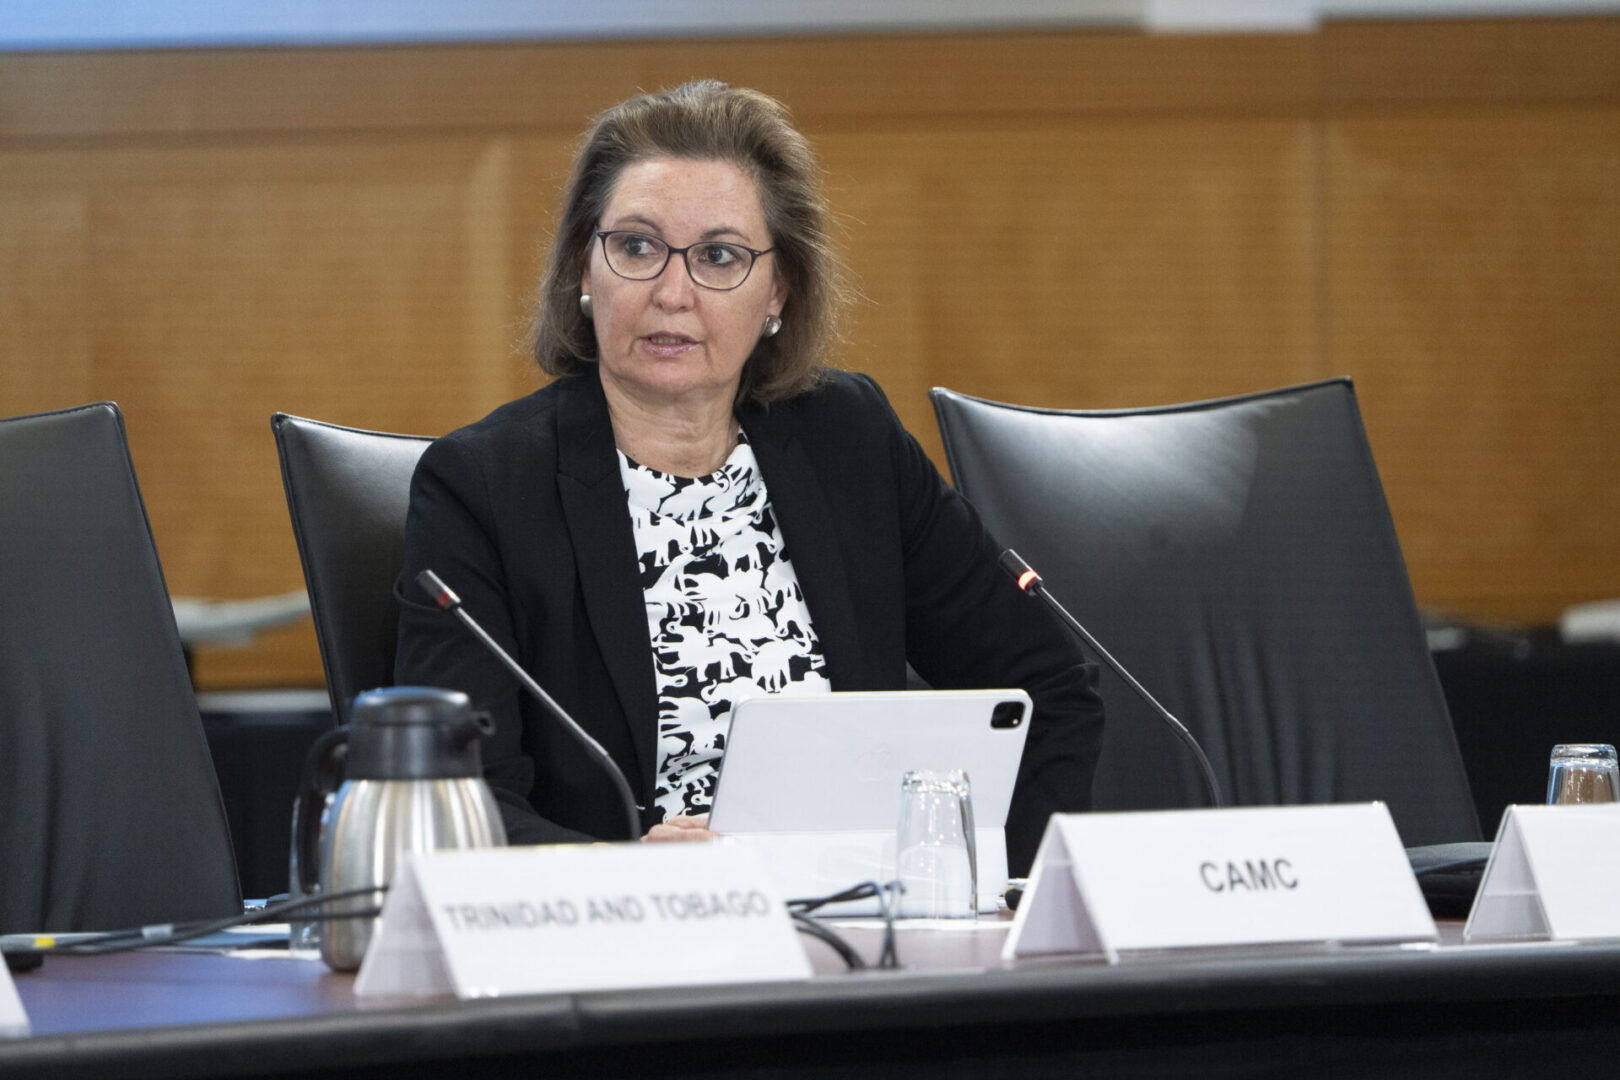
[1138, 883]
[1554, 872]
[13, 1020]
[566, 918]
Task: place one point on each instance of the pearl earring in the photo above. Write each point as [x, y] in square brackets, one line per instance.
[773, 323]
[585, 304]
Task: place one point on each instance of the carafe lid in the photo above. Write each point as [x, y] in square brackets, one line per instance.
[414, 733]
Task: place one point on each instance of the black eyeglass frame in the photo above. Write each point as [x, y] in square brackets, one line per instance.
[671, 251]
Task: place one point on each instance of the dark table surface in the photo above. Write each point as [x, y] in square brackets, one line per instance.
[956, 1010]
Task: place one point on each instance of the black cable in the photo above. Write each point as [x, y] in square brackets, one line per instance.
[865, 890]
[146, 937]
[804, 924]
[152, 936]
[888, 957]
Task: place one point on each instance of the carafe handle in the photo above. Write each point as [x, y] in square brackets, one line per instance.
[315, 786]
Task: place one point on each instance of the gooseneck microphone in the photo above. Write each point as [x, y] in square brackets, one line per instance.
[1029, 581]
[446, 600]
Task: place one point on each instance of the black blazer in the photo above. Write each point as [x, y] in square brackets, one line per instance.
[523, 514]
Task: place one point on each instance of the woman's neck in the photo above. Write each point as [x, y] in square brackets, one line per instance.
[683, 439]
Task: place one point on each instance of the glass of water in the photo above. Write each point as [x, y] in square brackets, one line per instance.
[1583, 773]
[935, 859]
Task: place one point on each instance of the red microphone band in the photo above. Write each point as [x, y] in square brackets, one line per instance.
[443, 597]
[1027, 578]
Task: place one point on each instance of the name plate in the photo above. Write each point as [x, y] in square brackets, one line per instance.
[1133, 883]
[566, 918]
[1554, 873]
[13, 1020]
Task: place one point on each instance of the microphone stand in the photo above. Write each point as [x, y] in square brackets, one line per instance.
[449, 601]
[1030, 582]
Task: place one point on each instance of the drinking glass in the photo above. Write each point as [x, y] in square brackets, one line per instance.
[935, 860]
[1583, 773]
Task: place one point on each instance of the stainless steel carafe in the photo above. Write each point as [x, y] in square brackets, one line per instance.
[413, 781]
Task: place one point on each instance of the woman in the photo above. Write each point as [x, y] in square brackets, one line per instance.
[695, 508]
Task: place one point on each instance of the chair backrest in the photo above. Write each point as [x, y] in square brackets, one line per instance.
[1239, 558]
[348, 491]
[110, 813]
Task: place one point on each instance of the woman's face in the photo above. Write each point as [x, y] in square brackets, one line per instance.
[668, 340]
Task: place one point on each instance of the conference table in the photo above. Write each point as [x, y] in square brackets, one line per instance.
[954, 1009]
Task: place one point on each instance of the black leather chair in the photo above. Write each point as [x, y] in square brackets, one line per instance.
[110, 814]
[1239, 558]
[347, 492]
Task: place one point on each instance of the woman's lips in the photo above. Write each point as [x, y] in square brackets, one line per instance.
[667, 345]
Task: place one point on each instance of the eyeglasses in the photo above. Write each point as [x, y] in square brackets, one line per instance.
[711, 264]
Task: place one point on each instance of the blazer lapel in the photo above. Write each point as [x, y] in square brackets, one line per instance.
[593, 503]
[806, 520]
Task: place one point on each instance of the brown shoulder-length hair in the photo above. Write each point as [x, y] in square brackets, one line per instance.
[704, 121]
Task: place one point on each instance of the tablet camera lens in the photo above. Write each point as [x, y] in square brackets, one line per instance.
[1008, 714]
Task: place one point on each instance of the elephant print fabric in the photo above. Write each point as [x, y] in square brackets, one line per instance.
[724, 612]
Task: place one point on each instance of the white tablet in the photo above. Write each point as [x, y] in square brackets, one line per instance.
[815, 780]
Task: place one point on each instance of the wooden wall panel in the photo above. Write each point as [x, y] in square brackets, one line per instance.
[45, 355]
[1509, 62]
[1475, 270]
[368, 283]
[1067, 219]
[1087, 264]
[930, 79]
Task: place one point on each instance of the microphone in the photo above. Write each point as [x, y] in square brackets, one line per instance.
[446, 600]
[1029, 581]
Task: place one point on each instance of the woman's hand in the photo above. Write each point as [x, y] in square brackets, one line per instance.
[681, 827]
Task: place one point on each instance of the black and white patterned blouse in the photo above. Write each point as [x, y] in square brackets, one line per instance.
[724, 612]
